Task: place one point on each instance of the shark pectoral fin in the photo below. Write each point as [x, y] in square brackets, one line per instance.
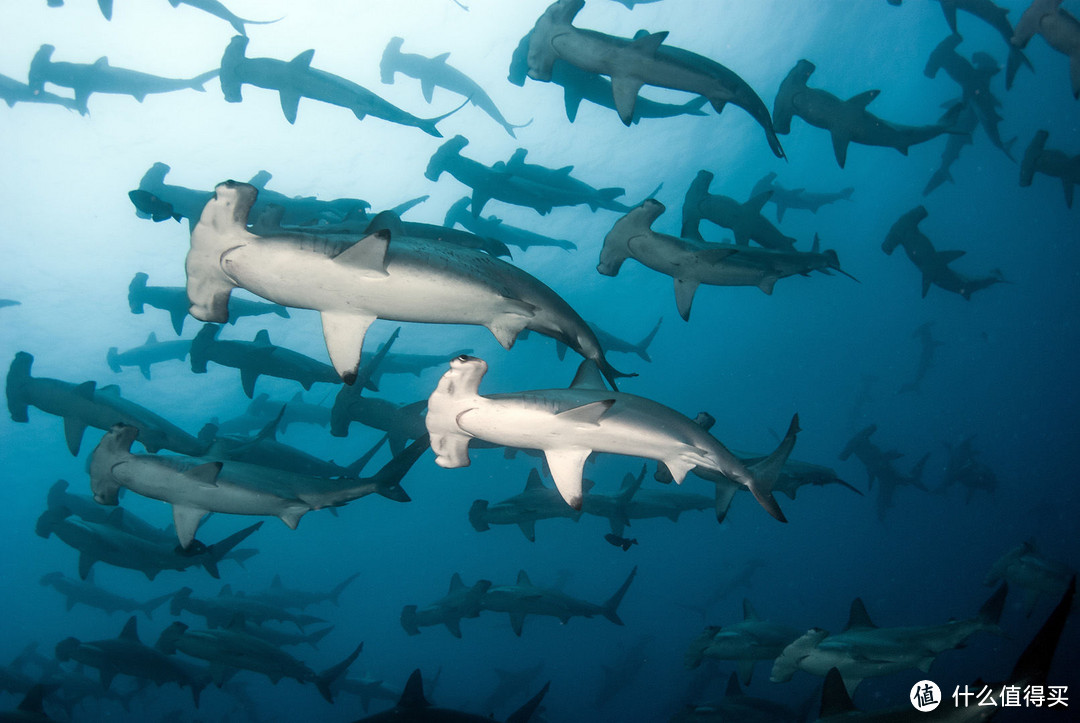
[925, 663]
[684, 296]
[863, 99]
[427, 87]
[625, 90]
[840, 140]
[767, 283]
[572, 101]
[454, 626]
[517, 622]
[205, 475]
[186, 520]
[587, 414]
[344, 335]
[566, 466]
[725, 493]
[290, 104]
[248, 376]
[1067, 185]
[177, 317]
[528, 528]
[745, 669]
[926, 281]
[451, 450]
[73, 434]
[145, 369]
[85, 563]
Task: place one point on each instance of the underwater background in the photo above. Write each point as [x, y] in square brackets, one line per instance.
[833, 350]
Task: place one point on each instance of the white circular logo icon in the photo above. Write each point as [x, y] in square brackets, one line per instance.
[925, 696]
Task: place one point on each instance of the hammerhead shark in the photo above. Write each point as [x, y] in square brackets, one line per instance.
[403, 279]
[691, 262]
[1059, 29]
[632, 63]
[1050, 162]
[459, 602]
[570, 424]
[437, 73]
[933, 264]
[797, 198]
[295, 79]
[100, 77]
[847, 121]
[744, 220]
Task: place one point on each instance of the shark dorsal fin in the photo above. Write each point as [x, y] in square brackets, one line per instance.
[649, 43]
[413, 697]
[816, 248]
[368, 253]
[748, 610]
[276, 582]
[102, 62]
[86, 389]
[386, 221]
[590, 413]
[226, 590]
[835, 700]
[130, 631]
[456, 583]
[152, 339]
[303, 60]
[733, 687]
[523, 579]
[262, 338]
[440, 58]
[534, 482]
[859, 618]
[588, 377]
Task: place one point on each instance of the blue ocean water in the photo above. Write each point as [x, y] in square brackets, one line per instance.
[835, 351]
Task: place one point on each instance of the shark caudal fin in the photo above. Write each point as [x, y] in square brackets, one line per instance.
[766, 472]
[388, 479]
[642, 347]
[610, 608]
[18, 379]
[328, 676]
[525, 713]
[215, 553]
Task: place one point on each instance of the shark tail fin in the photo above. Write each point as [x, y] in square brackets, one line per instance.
[17, 380]
[216, 552]
[152, 604]
[642, 347]
[428, 124]
[611, 607]
[388, 479]
[340, 587]
[916, 472]
[1033, 665]
[766, 472]
[477, 512]
[316, 637]
[328, 676]
[525, 712]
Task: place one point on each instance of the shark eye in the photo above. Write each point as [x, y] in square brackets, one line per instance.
[463, 358]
